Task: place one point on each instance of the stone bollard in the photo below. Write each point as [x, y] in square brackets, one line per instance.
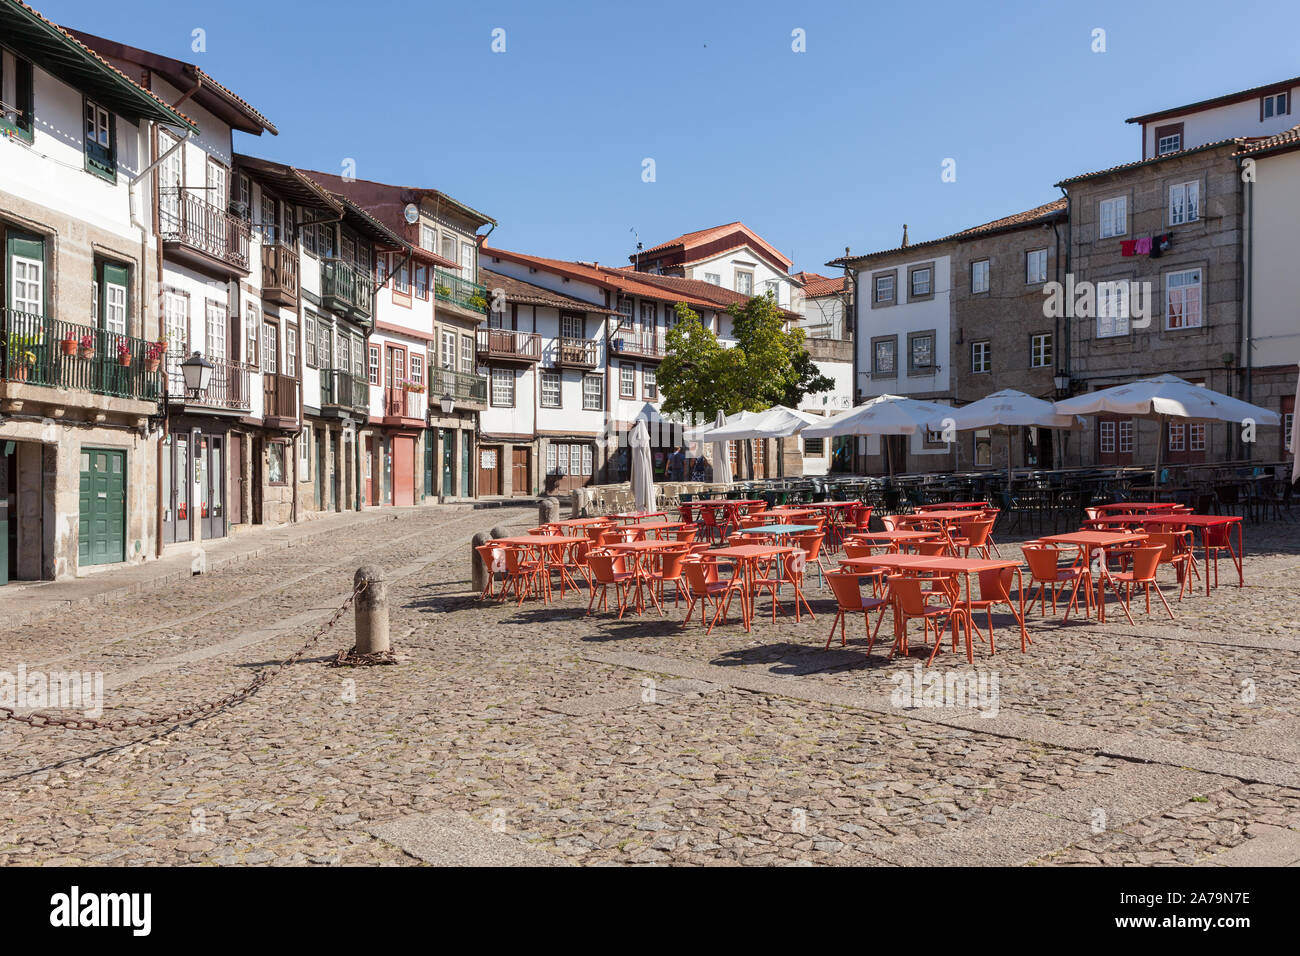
[498, 533]
[479, 572]
[576, 509]
[548, 511]
[372, 612]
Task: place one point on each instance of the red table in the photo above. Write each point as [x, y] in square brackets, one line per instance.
[550, 547]
[954, 506]
[747, 557]
[1087, 542]
[1138, 506]
[640, 552]
[965, 567]
[891, 538]
[1204, 523]
[636, 516]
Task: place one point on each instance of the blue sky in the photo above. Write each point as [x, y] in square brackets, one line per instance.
[839, 145]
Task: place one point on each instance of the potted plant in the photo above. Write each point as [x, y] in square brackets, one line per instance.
[22, 364]
[123, 354]
[153, 354]
[69, 344]
[443, 291]
[478, 302]
[86, 347]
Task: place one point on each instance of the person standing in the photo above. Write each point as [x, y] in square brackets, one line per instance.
[677, 465]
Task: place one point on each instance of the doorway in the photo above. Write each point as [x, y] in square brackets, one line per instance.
[212, 484]
[448, 486]
[403, 470]
[489, 471]
[101, 531]
[519, 471]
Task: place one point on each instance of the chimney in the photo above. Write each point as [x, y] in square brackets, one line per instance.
[904, 235]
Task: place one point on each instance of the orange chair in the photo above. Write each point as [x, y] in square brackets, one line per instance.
[811, 543]
[791, 566]
[1045, 572]
[890, 522]
[1174, 552]
[709, 527]
[1216, 538]
[684, 513]
[862, 518]
[849, 600]
[912, 602]
[493, 557]
[974, 536]
[995, 588]
[526, 573]
[608, 569]
[991, 514]
[684, 535]
[704, 586]
[669, 571]
[1145, 561]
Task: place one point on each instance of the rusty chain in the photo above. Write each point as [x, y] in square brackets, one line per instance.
[197, 710]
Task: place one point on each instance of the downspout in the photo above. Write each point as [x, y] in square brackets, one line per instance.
[1068, 340]
[1247, 269]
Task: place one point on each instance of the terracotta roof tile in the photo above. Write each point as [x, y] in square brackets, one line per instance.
[1288, 139]
[698, 238]
[517, 290]
[825, 285]
[1191, 150]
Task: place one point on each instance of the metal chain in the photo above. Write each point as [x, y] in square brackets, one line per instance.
[197, 710]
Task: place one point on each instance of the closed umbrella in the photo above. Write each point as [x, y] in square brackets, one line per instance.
[1008, 408]
[882, 415]
[1162, 398]
[721, 460]
[643, 479]
[1295, 438]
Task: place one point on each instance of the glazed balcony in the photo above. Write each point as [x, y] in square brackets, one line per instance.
[229, 389]
[343, 391]
[38, 350]
[347, 290]
[577, 353]
[280, 273]
[505, 346]
[452, 289]
[195, 229]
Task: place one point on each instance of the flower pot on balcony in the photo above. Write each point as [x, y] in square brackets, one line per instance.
[21, 372]
[124, 360]
[69, 346]
[151, 364]
[86, 353]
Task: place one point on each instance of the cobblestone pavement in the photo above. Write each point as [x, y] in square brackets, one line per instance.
[598, 741]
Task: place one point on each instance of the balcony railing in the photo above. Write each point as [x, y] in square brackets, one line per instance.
[579, 353]
[459, 385]
[32, 350]
[229, 388]
[450, 287]
[509, 346]
[640, 344]
[344, 389]
[279, 273]
[400, 402]
[279, 397]
[346, 289]
[189, 219]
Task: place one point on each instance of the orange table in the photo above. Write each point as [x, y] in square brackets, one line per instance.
[662, 527]
[1203, 523]
[1088, 542]
[551, 548]
[965, 567]
[637, 516]
[954, 506]
[747, 557]
[1135, 507]
[640, 552]
[878, 563]
[891, 538]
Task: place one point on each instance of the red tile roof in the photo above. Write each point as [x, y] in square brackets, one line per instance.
[1286, 140]
[691, 240]
[517, 290]
[1191, 150]
[825, 285]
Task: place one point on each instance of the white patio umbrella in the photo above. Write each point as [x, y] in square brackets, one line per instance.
[776, 422]
[721, 460]
[1162, 398]
[1009, 409]
[643, 479]
[882, 415]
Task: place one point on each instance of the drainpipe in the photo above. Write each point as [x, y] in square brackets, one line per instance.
[1247, 268]
[1066, 339]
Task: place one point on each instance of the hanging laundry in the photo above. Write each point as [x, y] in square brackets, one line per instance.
[1161, 244]
[1126, 247]
[1142, 247]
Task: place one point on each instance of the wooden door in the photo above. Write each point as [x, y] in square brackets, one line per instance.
[489, 470]
[403, 470]
[519, 471]
[236, 478]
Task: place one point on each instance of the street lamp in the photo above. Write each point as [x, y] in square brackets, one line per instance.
[1062, 383]
[448, 403]
[198, 373]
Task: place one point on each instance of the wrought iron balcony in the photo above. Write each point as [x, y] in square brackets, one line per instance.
[343, 389]
[638, 344]
[229, 389]
[347, 290]
[507, 345]
[188, 222]
[461, 386]
[38, 350]
[449, 287]
[577, 353]
[401, 402]
[280, 273]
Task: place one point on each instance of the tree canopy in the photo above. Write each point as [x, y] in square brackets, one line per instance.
[767, 366]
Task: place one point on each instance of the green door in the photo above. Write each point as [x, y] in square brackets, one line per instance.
[101, 533]
[430, 440]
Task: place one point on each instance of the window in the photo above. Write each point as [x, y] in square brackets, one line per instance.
[252, 322]
[1183, 299]
[744, 282]
[550, 389]
[884, 356]
[449, 247]
[627, 381]
[503, 387]
[773, 287]
[325, 240]
[381, 269]
[649, 383]
[323, 350]
[979, 276]
[422, 281]
[593, 393]
[358, 356]
[16, 94]
[1196, 433]
[981, 356]
[625, 313]
[304, 452]
[176, 322]
[110, 294]
[982, 452]
[27, 289]
[1169, 139]
[417, 369]
[920, 282]
[1036, 266]
[309, 339]
[270, 348]
[1126, 436]
[568, 459]
[467, 354]
[1040, 350]
[1106, 437]
[275, 470]
[372, 365]
[649, 316]
[342, 351]
[1288, 429]
[215, 330]
[1278, 104]
[428, 238]
[814, 447]
[884, 291]
[571, 326]
[1177, 436]
[1113, 217]
[309, 239]
[920, 352]
[1112, 309]
[1184, 203]
[447, 357]
[291, 350]
[101, 141]
[713, 278]
[402, 284]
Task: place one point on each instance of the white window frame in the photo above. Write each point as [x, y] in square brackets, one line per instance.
[503, 382]
[551, 389]
[1184, 203]
[1035, 276]
[1106, 437]
[979, 276]
[1040, 350]
[981, 356]
[1178, 299]
[1112, 309]
[1112, 217]
[1126, 436]
[593, 399]
[216, 318]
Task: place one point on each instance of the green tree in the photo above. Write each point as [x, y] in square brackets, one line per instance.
[767, 366]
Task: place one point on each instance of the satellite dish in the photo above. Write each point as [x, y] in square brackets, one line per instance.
[412, 213]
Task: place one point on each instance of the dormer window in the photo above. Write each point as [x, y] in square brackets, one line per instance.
[1275, 104]
[1169, 139]
[101, 154]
